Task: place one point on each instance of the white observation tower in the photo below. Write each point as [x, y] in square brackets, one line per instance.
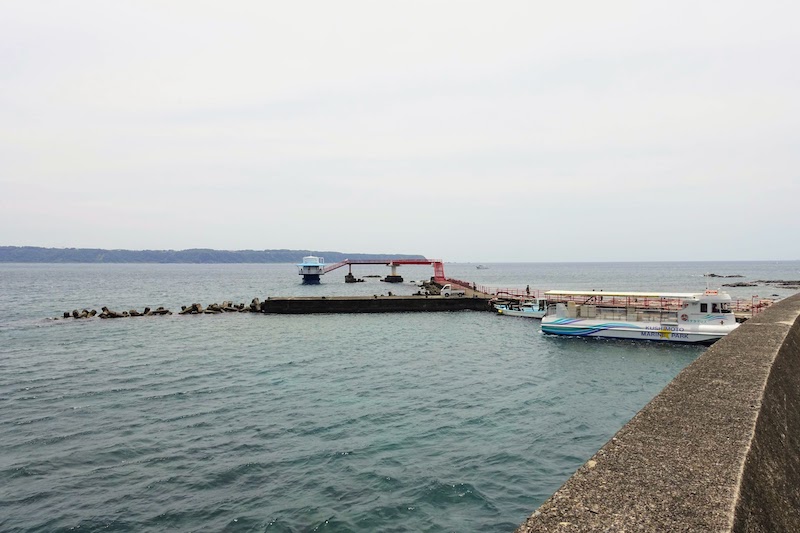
[311, 268]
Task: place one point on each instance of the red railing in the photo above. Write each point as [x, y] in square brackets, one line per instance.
[497, 292]
[438, 264]
[753, 306]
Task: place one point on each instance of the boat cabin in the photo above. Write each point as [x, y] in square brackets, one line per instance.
[706, 307]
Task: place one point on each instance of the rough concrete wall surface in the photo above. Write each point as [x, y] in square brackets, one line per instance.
[716, 450]
[769, 498]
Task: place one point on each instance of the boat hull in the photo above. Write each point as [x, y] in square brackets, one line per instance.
[514, 312]
[535, 308]
[690, 334]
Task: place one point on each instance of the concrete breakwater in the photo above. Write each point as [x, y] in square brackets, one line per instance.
[105, 312]
[717, 450]
[373, 304]
[193, 309]
[306, 305]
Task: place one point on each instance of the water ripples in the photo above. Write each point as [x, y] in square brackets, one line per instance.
[407, 422]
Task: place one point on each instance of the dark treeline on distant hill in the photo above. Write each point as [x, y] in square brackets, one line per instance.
[32, 254]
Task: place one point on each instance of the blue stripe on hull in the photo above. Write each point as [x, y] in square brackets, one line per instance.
[609, 333]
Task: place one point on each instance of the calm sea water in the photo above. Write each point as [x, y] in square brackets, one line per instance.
[400, 422]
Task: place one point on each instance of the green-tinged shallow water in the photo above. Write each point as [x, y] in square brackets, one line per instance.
[389, 422]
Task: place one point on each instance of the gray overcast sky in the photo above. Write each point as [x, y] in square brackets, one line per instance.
[467, 131]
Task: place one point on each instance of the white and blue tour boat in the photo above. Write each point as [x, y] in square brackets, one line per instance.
[702, 318]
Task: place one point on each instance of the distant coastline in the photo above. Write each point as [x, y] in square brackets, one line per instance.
[34, 254]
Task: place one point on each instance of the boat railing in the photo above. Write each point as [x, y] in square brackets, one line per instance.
[618, 312]
[753, 306]
[599, 300]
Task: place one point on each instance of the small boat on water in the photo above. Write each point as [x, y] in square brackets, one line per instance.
[482, 267]
[701, 318]
[533, 308]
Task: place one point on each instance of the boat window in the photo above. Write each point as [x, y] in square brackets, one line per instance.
[704, 308]
[715, 307]
[726, 307]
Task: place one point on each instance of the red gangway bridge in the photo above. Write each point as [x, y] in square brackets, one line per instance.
[438, 265]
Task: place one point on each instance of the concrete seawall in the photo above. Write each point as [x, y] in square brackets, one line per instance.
[717, 450]
[372, 304]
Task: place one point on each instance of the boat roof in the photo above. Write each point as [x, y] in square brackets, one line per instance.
[630, 294]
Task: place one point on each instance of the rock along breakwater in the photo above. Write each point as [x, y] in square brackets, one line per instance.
[193, 309]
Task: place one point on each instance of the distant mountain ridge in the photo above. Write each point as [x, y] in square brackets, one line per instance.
[33, 254]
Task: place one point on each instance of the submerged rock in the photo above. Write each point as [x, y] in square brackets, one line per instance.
[191, 310]
[107, 313]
